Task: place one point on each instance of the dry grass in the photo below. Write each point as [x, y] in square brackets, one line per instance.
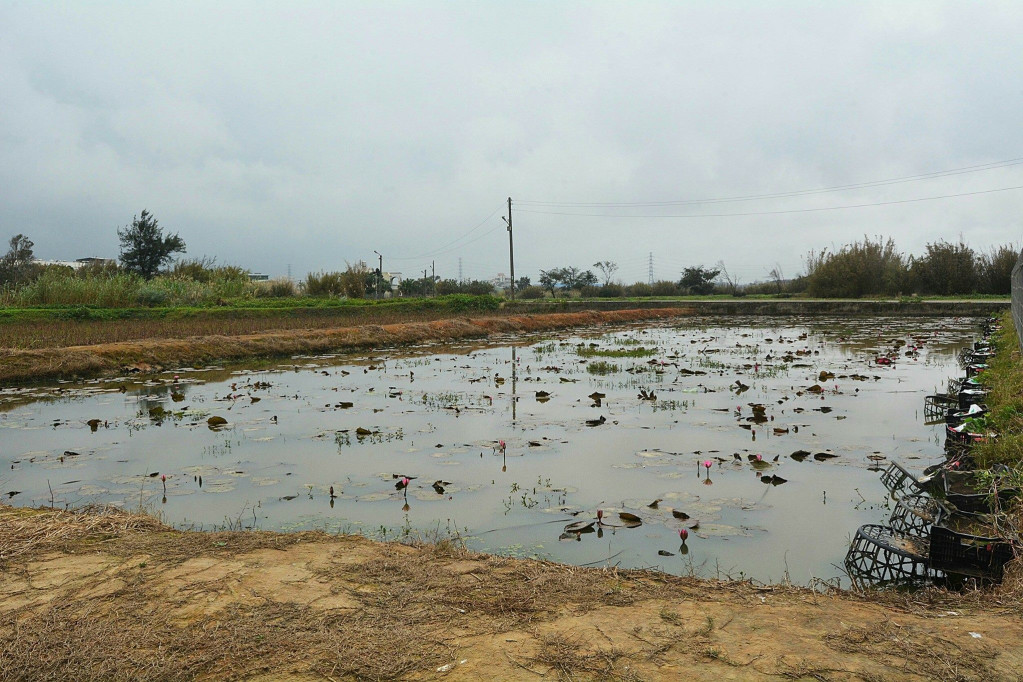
[25, 532]
[25, 365]
[567, 657]
[103, 594]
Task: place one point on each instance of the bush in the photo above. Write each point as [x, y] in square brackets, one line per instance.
[531, 293]
[639, 289]
[858, 269]
[665, 288]
[282, 287]
[151, 296]
[328, 284]
[206, 270]
[589, 291]
[477, 288]
[995, 269]
[611, 291]
[470, 303]
[353, 280]
[946, 269]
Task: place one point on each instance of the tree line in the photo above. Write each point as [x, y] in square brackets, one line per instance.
[871, 267]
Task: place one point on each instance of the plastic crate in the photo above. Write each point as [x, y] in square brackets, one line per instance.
[969, 555]
[881, 557]
[937, 406]
[960, 492]
[915, 514]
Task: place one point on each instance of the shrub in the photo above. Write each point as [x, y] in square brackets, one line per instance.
[639, 289]
[281, 287]
[353, 280]
[995, 269]
[858, 269]
[324, 284]
[611, 291]
[149, 296]
[530, 292]
[946, 269]
[470, 303]
[477, 288]
[664, 288]
[589, 291]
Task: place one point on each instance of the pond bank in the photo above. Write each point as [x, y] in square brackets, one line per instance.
[782, 307]
[153, 354]
[117, 596]
[111, 595]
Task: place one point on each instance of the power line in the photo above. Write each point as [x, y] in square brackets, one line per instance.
[780, 212]
[439, 249]
[777, 195]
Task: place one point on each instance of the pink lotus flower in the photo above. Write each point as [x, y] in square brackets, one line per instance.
[760, 458]
[683, 533]
[600, 515]
[707, 463]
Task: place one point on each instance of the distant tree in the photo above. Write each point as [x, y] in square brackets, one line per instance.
[448, 286]
[866, 268]
[477, 287]
[995, 269]
[946, 269]
[16, 266]
[566, 279]
[144, 248]
[411, 287]
[551, 280]
[731, 281]
[698, 280]
[777, 277]
[607, 270]
[521, 283]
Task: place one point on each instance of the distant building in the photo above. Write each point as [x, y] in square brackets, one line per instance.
[258, 277]
[78, 263]
[501, 281]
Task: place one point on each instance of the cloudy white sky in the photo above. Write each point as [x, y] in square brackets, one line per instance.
[309, 134]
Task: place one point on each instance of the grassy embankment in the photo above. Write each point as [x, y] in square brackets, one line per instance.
[177, 351]
[1005, 402]
[58, 326]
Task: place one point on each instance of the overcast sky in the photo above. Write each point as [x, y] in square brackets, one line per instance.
[310, 134]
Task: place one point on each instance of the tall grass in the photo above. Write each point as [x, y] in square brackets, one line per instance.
[124, 290]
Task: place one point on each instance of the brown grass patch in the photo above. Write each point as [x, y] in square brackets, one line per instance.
[100, 358]
[109, 595]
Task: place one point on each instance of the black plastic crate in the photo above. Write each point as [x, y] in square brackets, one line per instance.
[969, 555]
[962, 492]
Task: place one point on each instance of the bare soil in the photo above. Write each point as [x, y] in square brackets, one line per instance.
[107, 595]
[18, 365]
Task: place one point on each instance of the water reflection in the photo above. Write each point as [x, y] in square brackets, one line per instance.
[673, 396]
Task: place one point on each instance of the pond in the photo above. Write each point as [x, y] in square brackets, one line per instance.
[762, 438]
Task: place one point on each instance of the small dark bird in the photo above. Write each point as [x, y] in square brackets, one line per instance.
[596, 422]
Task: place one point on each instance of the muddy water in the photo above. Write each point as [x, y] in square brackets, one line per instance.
[438, 415]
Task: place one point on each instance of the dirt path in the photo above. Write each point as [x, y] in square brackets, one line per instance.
[153, 354]
[112, 596]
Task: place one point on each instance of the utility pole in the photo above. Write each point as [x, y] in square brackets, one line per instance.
[380, 274]
[424, 282]
[511, 248]
[650, 270]
[460, 280]
[433, 277]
